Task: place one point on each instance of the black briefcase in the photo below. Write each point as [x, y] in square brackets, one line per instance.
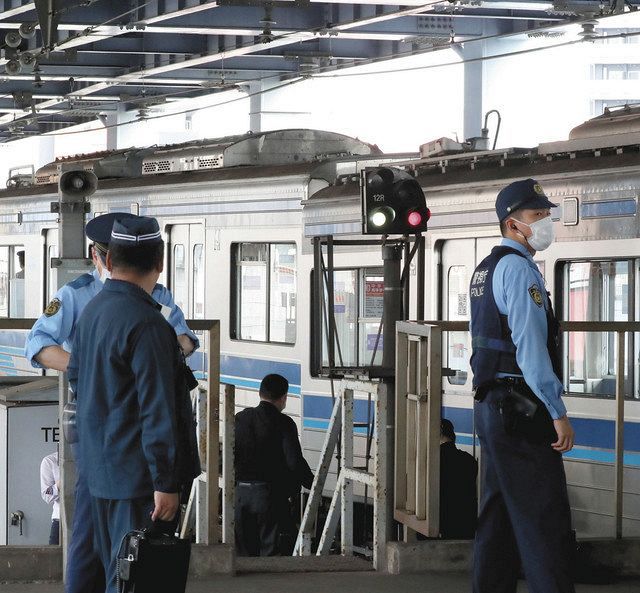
[152, 562]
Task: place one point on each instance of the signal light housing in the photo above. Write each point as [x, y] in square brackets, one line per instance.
[393, 203]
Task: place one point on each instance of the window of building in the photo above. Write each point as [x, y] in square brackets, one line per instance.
[597, 291]
[615, 71]
[264, 291]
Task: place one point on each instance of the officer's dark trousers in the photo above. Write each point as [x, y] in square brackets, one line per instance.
[259, 519]
[524, 509]
[112, 520]
[84, 573]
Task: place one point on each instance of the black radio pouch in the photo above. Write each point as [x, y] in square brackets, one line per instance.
[150, 561]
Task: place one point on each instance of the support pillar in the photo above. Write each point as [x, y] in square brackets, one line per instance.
[278, 109]
[473, 88]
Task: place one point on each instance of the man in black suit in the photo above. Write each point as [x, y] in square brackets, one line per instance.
[270, 468]
[458, 488]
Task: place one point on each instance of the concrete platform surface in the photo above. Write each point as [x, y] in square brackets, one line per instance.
[363, 582]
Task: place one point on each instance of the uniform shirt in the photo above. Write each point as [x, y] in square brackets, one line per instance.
[519, 292]
[57, 326]
[123, 370]
[49, 475]
[268, 449]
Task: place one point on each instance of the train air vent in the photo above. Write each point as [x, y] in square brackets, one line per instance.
[44, 179]
[211, 161]
[151, 167]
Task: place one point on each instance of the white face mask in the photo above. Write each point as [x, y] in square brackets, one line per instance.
[105, 274]
[543, 233]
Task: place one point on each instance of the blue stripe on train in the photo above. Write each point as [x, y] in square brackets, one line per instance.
[590, 432]
[320, 406]
[256, 368]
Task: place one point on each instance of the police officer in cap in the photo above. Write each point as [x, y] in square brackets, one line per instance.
[520, 417]
[48, 345]
[124, 371]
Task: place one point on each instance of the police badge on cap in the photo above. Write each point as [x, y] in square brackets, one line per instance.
[135, 231]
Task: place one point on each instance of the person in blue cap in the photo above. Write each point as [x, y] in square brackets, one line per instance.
[520, 418]
[48, 345]
[125, 371]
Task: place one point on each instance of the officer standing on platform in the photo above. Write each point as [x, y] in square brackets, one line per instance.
[49, 344]
[520, 417]
[125, 371]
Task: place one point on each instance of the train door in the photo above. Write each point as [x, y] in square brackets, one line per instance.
[458, 258]
[186, 268]
[50, 280]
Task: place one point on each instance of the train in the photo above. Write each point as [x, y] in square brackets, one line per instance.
[239, 214]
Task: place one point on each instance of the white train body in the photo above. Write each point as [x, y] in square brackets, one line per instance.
[239, 250]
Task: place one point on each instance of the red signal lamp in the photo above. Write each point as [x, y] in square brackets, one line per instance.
[414, 218]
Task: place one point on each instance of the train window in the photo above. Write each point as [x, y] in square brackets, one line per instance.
[197, 310]
[12, 281]
[179, 277]
[596, 291]
[458, 310]
[265, 287]
[357, 310]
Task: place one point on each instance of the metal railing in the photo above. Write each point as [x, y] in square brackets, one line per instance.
[210, 438]
[416, 490]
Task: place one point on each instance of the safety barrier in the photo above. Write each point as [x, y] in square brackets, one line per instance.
[418, 404]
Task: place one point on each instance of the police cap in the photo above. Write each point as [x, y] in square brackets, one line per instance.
[521, 195]
[98, 229]
[135, 231]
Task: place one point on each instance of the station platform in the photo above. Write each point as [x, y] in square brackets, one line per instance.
[353, 582]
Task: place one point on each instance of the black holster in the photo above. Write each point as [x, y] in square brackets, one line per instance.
[523, 414]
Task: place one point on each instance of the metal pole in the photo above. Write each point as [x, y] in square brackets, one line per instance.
[70, 264]
[405, 285]
[421, 281]
[392, 303]
[619, 462]
[212, 532]
[331, 342]
[318, 280]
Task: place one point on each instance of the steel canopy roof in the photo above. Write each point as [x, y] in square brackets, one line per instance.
[78, 59]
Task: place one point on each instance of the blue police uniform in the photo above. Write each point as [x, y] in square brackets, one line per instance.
[56, 327]
[524, 511]
[123, 369]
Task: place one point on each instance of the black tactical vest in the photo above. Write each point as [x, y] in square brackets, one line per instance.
[493, 350]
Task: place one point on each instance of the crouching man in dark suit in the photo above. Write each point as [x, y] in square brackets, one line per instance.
[270, 468]
[136, 436]
[458, 487]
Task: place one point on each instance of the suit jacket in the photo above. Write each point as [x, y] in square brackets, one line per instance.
[268, 450]
[123, 371]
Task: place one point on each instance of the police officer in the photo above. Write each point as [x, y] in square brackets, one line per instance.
[520, 417]
[48, 345]
[270, 468]
[124, 370]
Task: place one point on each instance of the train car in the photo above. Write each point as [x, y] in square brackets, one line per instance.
[238, 216]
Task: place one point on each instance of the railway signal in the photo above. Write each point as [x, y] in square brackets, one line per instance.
[393, 203]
